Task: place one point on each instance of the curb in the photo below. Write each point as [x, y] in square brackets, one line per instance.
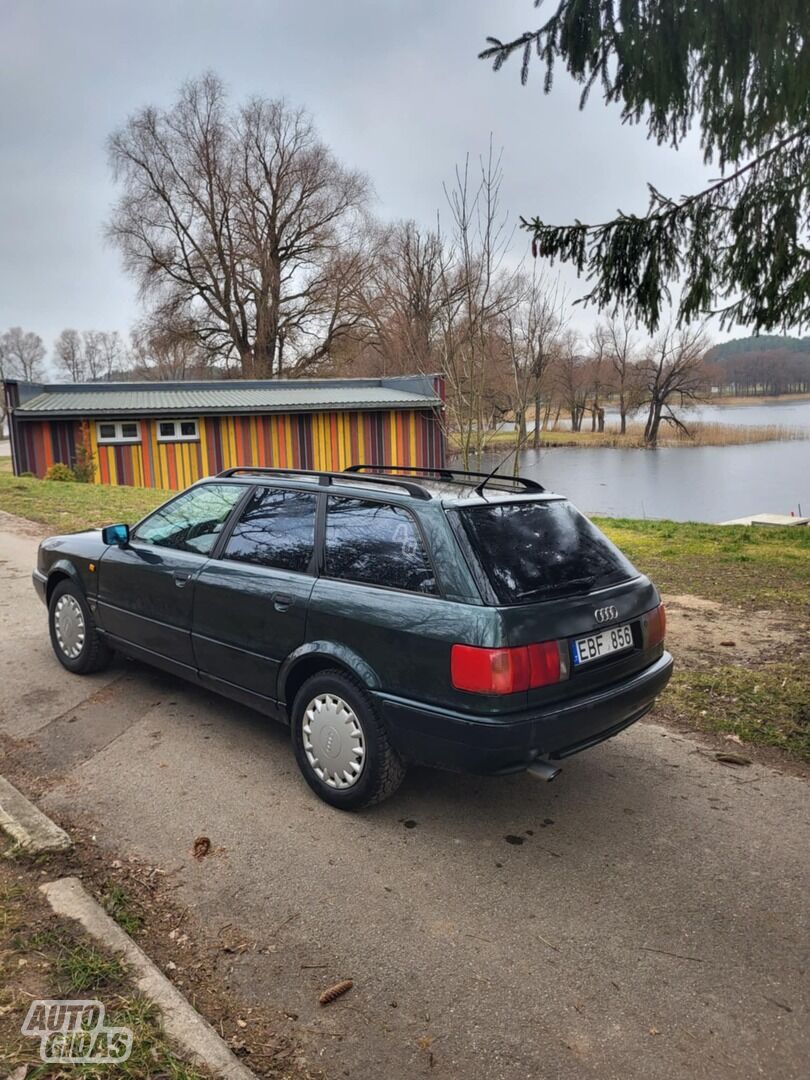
[194, 1035]
[27, 825]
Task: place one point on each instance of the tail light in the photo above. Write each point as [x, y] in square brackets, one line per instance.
[654, 625]
[507, 671]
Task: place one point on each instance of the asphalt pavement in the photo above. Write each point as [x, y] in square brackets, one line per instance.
[644, 916]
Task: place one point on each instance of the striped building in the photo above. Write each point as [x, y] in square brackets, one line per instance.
[169, 434]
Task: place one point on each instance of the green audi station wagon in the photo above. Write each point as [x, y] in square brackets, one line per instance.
[388, 615]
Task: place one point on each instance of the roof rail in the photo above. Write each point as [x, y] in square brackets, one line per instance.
[450, 475]
[326, 478]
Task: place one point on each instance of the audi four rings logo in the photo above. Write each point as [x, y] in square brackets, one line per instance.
[606, 614]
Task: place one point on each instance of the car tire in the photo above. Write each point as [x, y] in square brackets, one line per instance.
[335, 728]
[74, 637]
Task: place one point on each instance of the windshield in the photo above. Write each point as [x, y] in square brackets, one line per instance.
[538, 550]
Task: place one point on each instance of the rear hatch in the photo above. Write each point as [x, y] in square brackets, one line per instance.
[554, 576]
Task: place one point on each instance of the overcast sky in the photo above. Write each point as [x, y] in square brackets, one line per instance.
[394, 85]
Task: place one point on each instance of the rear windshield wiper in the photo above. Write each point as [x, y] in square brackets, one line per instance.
[564, 588]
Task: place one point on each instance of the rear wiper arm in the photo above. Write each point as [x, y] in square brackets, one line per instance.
[575, 585]
[579, 584]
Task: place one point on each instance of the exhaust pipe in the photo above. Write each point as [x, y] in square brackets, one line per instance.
[543, 770]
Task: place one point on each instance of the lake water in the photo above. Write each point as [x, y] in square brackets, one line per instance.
[705, 483]
[785, 414]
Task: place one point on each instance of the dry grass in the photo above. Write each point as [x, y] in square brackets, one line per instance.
[700, 434]
[715, 434]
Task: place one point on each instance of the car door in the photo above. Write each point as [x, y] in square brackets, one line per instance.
[250, 603]
[146, 588]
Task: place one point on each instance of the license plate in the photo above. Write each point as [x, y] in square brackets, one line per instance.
[593, 647]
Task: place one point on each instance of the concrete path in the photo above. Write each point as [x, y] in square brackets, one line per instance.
[645, 916]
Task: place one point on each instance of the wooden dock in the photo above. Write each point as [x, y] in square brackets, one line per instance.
[779, 520]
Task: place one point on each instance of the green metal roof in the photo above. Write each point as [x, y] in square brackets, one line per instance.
[178, 398]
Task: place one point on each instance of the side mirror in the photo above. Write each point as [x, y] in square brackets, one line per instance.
[115, 534]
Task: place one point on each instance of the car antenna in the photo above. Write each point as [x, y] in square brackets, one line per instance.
[479, 490]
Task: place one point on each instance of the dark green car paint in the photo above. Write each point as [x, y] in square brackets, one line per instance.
[254, 634]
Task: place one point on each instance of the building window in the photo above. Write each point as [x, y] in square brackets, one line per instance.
[118, 431]
[177, 431]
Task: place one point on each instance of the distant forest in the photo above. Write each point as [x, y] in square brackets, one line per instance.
[766, 364]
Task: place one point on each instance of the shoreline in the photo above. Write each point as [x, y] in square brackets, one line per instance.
[758, 399]
[701, 434]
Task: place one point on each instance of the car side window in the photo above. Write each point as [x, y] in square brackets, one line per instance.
[377, 544]
[193, 521]
[277, 529]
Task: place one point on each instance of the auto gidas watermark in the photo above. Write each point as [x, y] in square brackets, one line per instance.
[74, 1032]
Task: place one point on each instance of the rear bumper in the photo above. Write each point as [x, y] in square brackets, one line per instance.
[465, 743]
[40, 584]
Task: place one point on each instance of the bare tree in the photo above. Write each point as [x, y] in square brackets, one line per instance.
[479, 289]
[623, 354]
[111, 352]
[403, 298]
[91, 351]
[92, 354]
[242, 224]
[571, 379]
[597, 377]
[674, 373]
[21, 354]
[532, 330]
[69, 355]
[168, 353]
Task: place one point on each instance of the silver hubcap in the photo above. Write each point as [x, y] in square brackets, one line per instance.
[68, 624]
[333, 741]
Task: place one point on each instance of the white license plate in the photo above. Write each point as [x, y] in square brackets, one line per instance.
[595, 646]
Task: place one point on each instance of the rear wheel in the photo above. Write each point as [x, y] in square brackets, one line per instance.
[74, 637]
[340, 744]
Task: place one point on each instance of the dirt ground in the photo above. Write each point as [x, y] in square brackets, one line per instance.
[703, 632]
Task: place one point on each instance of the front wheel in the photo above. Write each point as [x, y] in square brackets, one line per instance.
[74, 637]
[340, 744]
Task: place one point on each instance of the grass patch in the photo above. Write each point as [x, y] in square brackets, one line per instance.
[120, 906]
[767, 706]
[151, 1056]
[71, 507]
[745, 564]
[81, 967]
[77, 964]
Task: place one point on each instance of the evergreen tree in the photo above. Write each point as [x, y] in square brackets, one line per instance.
[739, 70]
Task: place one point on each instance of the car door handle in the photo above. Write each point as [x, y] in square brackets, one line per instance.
[282, 601]
[181, 578]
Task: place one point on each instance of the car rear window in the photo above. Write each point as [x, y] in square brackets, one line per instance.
[538, 550]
